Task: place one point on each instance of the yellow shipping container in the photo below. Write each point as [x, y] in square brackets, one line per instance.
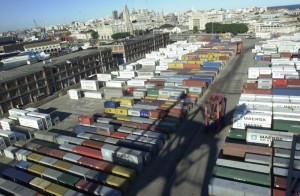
[40, 183]
[34, 157]
[126, 101]
[62, 165]
[185, 58]
[118, 182]
[175, 65]
[149, 97]
[110, 110]
[170, 103]
[122, 111]
[125, 172]
[164, 96]
[194, 95]
[37, 169]
[56, 189]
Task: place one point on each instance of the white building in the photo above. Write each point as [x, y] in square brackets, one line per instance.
[82, 35]
[201, 19]
[48, 46]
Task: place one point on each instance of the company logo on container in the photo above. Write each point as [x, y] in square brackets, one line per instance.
[253, 137]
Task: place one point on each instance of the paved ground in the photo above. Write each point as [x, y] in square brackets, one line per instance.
[185, 164]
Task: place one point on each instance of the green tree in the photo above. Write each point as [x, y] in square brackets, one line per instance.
[233, 28]
[195, 29]
[120, 35]
[95, 35]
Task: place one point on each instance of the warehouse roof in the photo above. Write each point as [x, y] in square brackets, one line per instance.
[41, 44]
[36, 67]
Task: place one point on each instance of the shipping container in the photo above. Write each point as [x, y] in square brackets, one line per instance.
[16, 175]
[62, 165]
[242, 175]
[48, 161]
[266, 136]
[9, 137]
[33, 122]
[37, 169]
[51, 174]
[243, 166]
[40, 183]
[218, 186]
[29, 132]
[239, 150]
[47, 122]
[16, 189]
[57, 190]
[260, 159]
[67, 179]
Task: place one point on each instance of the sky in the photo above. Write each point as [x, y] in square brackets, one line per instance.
[20, 14]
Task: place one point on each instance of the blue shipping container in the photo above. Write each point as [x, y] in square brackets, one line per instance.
[286, 91]
[83, 129]
[23, 165]
[210, 68]
[212, 64]
[258, 57]
[144, 113]
[111, 104]
[17, 175]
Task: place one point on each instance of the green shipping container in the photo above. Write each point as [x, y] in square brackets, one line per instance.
[241, 175]
[237, 134]
[68, 179]
[286, 125]
[152, 92]
[98, 138]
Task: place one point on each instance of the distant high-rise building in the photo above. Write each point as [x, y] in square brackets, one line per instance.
[115, 15]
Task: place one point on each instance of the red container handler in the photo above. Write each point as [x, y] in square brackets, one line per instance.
[92, 144]
[279, 82]
[57, 153]
[86, 161]
[85, 120]
[89, 152]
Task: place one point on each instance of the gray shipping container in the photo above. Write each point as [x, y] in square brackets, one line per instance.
[220, 187]
[103, 120]
[284, 172]
[243, 165]
[111, 140]
[79, 170]
[67, 147]
[29, 132]
[16, 189]
[72, 193]
[103, 190]
[261, 159]
[85, 135]
[72, 157]
[285, 145]
[157, 142]
[32, 146]
[51, 174]
[63, 139]
[284, 153]
[102, 127]
[123, 156]
[48, 161]
[46, 136]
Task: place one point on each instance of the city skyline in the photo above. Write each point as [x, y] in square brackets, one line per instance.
[23, 13]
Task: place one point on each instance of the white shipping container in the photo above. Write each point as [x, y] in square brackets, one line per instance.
[45, 117]
[127, 74]
[9, 137]
[7, 124]
[116, 84]
[161, 68]
[267, 136]
[89, 85]
[135, 82]
[104, 77]
[32, 109]
[75, 94]
[253, 117]
[134, 112]
[139, 94]
[33, 122]
[286, 105]
[17, 112]
[93, 94]
[256, 103]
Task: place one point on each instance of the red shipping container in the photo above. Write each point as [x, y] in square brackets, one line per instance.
[130, 90]
[117, 135]
[45, 150]
[191, 66]
[156, 82]
[285, 55]
[279, 82]
[157, 114]
[92, 144]
[177, 111]
[89, 152]
[58, 153]
[293, 83]
[258, 91]
[250, 86]
[265, 76]
[198, 83]
[164, 108]
[223, 58]
[104, 166]
[277, 192]
[86, 186]
[86, 161]
[131, 125]
[85, 120]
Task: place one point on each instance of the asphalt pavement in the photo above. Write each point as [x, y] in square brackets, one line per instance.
[184, 166]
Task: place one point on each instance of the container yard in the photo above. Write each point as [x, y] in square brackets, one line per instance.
[119, 128]
[261, 152]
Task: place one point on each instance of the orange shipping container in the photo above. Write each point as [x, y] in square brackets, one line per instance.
[191, 66]
[199, 83]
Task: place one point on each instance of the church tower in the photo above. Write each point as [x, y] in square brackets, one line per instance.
[126, 17]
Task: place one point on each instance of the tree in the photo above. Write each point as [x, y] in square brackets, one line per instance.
[195, 29]
[233, 28]
[95, 35]
[120, 35]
